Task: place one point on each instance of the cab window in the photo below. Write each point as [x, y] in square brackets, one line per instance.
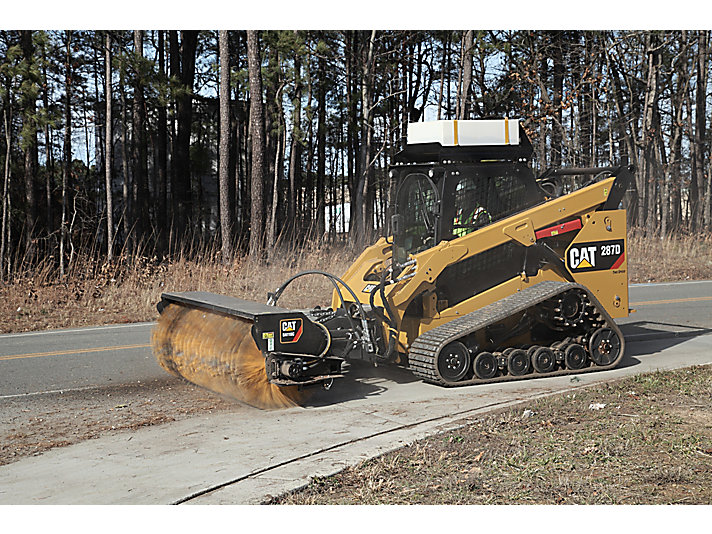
[416, 206]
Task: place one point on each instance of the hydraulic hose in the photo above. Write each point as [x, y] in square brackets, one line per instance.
[335, 280]
[390, 318]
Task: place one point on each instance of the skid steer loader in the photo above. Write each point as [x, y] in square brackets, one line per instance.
[489, 274]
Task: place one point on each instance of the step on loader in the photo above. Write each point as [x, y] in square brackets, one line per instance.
[488, 274]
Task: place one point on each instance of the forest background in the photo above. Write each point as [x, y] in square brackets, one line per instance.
[152, 143]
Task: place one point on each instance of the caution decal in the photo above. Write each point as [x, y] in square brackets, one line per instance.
[290, 330]
[595, 256]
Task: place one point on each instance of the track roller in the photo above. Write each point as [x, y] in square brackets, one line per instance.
[518, 362]
[544, 360]
[575, 356]
[485, 365]
[604, 346]
[454, 361]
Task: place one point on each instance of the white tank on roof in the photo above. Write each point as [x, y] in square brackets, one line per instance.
[485, 132]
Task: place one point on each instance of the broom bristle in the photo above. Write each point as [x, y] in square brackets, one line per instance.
[217, 352]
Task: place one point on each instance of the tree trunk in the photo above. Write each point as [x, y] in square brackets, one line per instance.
[225, 214]
[4, 244]
[443, 67]
[697, 187]
[127, 208]
[139, 152]
[361, 225]
[321, 149]
[351, 128]
[646, 173]
[558, 82]
[109, 137]
[161, 149]
[183, 61]
[258, 143]
[272, 226]
[468, 45]
[48, 148]
[679, 80]
[67, 164]
[308, 204]
[29, 137]
[99, 142]
[295, 151]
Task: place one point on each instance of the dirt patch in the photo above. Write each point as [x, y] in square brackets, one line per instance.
[641, 440]
[30, 425]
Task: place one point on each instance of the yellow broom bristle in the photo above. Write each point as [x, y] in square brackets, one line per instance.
[217, 352]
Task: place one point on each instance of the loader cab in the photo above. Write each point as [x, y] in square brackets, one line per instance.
[448, 192]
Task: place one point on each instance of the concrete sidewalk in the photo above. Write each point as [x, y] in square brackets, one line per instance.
[243, 458]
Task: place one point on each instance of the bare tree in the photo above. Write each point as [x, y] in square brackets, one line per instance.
[109, 153]
[295, 151]
[464, 101]
[698, 208]
[29, 135]
[254, 65]
[139, 152]
[225, 215]
[361, 225]
[67, 163]
[4, 245]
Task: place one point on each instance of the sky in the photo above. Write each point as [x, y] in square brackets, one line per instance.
[362, 14]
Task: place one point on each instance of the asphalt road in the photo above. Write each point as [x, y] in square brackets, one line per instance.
[241, 457]
[61, 360]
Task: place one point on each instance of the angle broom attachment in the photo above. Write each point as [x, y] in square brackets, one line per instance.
[217, 352]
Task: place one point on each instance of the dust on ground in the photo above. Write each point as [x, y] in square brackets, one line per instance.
[641, 440]
[33, 424]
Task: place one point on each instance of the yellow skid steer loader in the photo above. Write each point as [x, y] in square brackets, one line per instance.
[489, 274]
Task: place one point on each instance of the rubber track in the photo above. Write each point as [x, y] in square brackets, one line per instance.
[422, 356]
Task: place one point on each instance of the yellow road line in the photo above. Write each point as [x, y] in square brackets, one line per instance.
[71, 351]
[671, 301]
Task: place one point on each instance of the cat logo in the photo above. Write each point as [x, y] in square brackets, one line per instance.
[582, 258]
[596, 256]
[290, 330]
[369, 288]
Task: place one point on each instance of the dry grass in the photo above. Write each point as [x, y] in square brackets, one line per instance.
[128, 289]
[686, 257]
[647, 440]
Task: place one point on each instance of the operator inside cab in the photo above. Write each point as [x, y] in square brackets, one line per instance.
[469, 213]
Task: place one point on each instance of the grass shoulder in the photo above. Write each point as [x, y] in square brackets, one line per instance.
[645, 439]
